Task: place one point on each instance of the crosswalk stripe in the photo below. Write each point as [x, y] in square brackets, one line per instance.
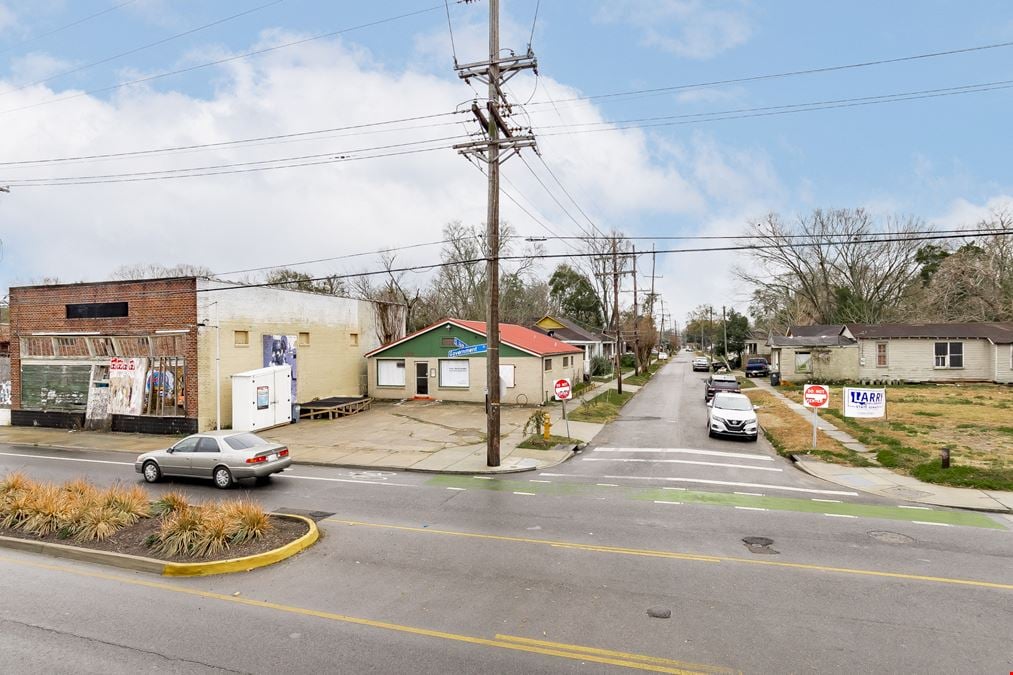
[706, 482]
[680, 461]
[690, 451]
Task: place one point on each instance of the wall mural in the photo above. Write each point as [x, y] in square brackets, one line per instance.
[279, 350]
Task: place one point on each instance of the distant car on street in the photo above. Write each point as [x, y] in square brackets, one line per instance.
[732, 415]
[222, 456]
[720, 383]
[757, 367]
[701, 363]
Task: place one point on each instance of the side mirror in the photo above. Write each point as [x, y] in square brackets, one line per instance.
[710, 403]
[169, 450]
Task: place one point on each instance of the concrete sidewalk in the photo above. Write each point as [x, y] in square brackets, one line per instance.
[884, 482]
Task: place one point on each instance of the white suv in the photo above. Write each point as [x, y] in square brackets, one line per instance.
[732, 415]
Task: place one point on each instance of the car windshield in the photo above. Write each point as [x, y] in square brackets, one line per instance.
[730, 403]
[245, 441]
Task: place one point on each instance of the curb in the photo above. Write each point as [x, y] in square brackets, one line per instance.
[170, 569]
[795, 463]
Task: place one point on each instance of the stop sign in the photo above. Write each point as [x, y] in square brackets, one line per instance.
[562, 388]
[816, 396]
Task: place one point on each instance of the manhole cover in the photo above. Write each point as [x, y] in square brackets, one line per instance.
[762, 545]
[316, 516]
[891, 537]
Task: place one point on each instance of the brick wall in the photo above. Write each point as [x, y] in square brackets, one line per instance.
[153, 304]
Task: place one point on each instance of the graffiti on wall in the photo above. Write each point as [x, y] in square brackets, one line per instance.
[279, 350]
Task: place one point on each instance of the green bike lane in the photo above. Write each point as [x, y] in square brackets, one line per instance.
[672, 496]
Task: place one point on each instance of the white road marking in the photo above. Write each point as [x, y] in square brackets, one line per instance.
[607, 484]
[923, 522]
[839, 515]
[458, 489]
[673, 488]
[919, 508]
[530, 494]
[828, 501]
[343, 480]
[689, 451]
[483, 477]
[750, 508]
[710, 482]
[680, 461]
[67, 459]
[750, 494]
[539, 481]
[658, 501]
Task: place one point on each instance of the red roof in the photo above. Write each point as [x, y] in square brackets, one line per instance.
[516, 336]
[524, 338]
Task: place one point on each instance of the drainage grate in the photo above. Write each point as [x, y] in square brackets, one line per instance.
[760, 545]
[316, 516]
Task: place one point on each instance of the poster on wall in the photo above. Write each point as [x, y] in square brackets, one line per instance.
[126, 385]
[279, 350]
[263, 398]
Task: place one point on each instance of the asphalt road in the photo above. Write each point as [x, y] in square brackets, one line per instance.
[530, 574]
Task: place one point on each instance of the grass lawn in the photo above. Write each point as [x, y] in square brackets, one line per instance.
[602, 408]
[538, 442]
[602, 378]
[790, 434]
[974, 420]
[746, 383]
[642, 378]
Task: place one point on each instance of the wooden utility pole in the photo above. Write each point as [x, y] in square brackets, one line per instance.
[615, 313]
[495, 72]
[636, 318]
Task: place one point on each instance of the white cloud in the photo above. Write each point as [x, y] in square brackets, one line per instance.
[36, 66]
[710, 95]
[692, 29]
[963, 213]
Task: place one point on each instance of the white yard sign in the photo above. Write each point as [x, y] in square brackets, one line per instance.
[864, 402]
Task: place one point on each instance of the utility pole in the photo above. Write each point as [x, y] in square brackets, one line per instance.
[724, 324]
[636, 318]
[710, 329]
[495, 73]
[615, 313]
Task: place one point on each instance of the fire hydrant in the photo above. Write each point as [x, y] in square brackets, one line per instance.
[546, 426]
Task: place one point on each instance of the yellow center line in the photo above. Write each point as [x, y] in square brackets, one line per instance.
[573, 652]
[682, 556]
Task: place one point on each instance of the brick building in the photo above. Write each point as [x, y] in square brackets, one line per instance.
[141, 355]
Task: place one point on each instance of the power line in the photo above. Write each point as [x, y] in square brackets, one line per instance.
[744, 237]
[554, 198]
[450, 28]
[66, 26]
[790, 73]
[567, 193]
[342, 155]
[142, 48]
[548, 256]
[219, 144]
[534, 22]
[645, 123]
[208, 64]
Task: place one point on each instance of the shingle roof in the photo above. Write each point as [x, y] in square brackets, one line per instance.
[573, 332]
[811, 341]
[821, 330]
[998, 332]
[524, 338]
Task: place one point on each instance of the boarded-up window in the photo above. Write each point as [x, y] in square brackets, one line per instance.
[103, 346]
[390, 372]
[71, 346]
[353, 339]
[547, 366]
[97, 310]
[304, 339]
[455, 373]
[54, 387]
[803, 362]
[242, 338]
[508, 375]
[37, 346]
[166, 345]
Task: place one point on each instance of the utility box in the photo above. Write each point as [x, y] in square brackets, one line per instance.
[262, 398]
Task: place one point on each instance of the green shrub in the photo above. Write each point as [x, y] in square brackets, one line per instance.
[627, 361]
[600, 366]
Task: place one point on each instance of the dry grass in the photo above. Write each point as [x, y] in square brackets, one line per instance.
[790, 434]
[976, 420]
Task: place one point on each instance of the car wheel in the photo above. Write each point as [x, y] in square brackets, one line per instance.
[710, 433]
[754, 438]
[151, 472]
[223, 478]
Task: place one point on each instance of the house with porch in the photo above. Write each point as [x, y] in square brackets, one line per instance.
[591, 342]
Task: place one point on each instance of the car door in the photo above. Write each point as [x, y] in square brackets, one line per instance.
[205, 457]
[177, 463]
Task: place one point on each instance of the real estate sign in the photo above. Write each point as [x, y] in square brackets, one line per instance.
[864, 402]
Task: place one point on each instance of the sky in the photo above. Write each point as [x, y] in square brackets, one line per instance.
[108, 77]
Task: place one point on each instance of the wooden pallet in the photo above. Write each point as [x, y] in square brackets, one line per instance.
[334, 410]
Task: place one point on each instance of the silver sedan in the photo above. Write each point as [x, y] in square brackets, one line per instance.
[222, 456]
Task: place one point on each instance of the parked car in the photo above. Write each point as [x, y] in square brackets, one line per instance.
[718, 383]
[221, 456]
[757, 367]
[732, 415]
[701, 363]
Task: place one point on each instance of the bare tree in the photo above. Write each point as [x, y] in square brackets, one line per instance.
[155, 271]
[829, 267]
[393, 300]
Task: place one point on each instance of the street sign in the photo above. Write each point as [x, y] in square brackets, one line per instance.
[459, 343]
[816, 396]
[562, 388]
[468, 351]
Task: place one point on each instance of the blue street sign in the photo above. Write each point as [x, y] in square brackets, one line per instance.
[459, 343]
[467, 351]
